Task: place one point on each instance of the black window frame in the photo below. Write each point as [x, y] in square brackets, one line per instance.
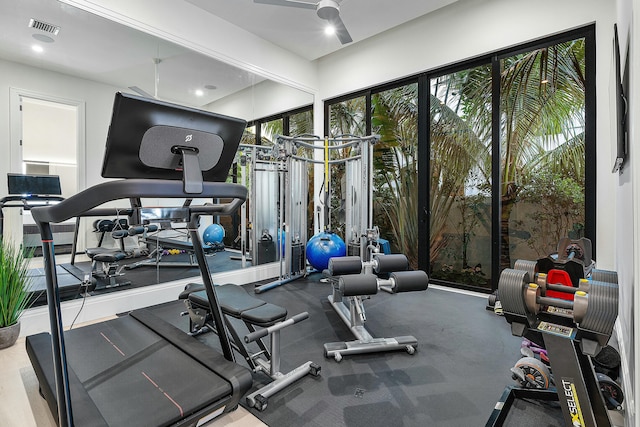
[588, 32]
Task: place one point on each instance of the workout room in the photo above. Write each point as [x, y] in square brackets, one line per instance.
[312, 213]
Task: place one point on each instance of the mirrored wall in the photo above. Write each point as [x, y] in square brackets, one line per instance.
[56, 53]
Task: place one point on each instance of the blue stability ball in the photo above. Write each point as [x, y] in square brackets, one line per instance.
[323, 246]
[213, 234]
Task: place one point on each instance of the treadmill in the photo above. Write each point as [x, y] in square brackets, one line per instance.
[138, 369]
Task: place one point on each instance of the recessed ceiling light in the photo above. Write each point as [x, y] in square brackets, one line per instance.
[199, 92]
[329, 30]
[42, 38]
[37, 48]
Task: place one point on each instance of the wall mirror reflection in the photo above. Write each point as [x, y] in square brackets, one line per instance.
[63, 66]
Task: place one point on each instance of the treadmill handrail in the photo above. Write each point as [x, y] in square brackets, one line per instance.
[87, 200]
[82, 203]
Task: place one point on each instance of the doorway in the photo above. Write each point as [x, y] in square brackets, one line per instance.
[47, 138]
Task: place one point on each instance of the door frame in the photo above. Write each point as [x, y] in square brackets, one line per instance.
[15, 131]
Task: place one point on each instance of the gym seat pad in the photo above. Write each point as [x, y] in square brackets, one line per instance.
[124, 373]
[235, 301]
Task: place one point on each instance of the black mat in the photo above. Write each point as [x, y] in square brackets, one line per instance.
[69, 286]
[70, 276]
[455, 378]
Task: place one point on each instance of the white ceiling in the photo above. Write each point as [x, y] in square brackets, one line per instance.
[302, 32]
[95, 48]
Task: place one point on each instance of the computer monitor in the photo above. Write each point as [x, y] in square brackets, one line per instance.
[36, 185]
[154, 139]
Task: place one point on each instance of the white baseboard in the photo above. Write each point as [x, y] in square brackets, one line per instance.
[625, 375]
[36, 320]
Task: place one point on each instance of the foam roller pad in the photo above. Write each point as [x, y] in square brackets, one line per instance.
[358, 284]
[389, 263]
[409, 281]
[344, 265]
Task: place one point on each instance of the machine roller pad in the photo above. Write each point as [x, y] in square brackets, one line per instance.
[409, 281]
[358, 284]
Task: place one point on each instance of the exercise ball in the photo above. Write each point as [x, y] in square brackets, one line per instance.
[323, 246]
[213, 234]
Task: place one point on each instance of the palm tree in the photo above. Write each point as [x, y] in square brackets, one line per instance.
[395, 161]
[542, 122]
[542, 105]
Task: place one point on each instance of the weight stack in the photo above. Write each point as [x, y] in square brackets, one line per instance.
[353, 249]
[298, 258]
[266, 251]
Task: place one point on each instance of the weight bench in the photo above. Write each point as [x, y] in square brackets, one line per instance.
[351, 286]
[159, 244]
[104, 263]
[236, 303]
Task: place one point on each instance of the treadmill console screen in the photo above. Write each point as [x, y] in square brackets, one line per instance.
[36, 185]
[153, 139]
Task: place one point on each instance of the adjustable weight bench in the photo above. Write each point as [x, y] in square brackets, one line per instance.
[351, 286]
[255, 313]
[160, 244]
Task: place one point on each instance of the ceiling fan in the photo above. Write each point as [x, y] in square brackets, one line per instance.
[328, 10]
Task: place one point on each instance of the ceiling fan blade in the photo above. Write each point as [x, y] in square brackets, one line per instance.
[341, 30]
[289, 3]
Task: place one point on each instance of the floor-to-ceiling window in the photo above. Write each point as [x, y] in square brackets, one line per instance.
[460, 176]
[507, 163]
[394, 117]
[542, 149]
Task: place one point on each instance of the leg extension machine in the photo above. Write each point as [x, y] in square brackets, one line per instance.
[350, 288]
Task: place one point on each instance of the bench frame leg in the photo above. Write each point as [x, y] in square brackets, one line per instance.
[353, 316]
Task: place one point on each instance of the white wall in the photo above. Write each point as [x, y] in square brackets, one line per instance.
[261, 100]
[98, 99]
[625, 245]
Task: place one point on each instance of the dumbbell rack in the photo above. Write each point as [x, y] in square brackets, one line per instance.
[569, 343]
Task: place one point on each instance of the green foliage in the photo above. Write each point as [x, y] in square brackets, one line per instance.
[301, 123]
[394, 118]
[559, 208]
[460, 145]
[541, 129]
[14, 283]
[472, 276]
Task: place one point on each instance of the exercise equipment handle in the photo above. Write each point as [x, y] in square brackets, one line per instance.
[119, 234]
[555, 302]
[253, 336]
[132, 231]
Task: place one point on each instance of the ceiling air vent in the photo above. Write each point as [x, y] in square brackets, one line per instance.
[43, 26]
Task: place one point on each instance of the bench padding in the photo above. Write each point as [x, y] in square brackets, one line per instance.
[236, 302]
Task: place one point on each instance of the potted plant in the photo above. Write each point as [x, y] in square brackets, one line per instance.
[15, 285]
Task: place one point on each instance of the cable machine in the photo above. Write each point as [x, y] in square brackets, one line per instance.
[279, 197]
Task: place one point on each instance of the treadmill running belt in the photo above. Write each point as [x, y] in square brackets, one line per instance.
[115, 360]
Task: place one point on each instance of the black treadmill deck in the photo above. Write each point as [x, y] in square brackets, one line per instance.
[172, 376]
